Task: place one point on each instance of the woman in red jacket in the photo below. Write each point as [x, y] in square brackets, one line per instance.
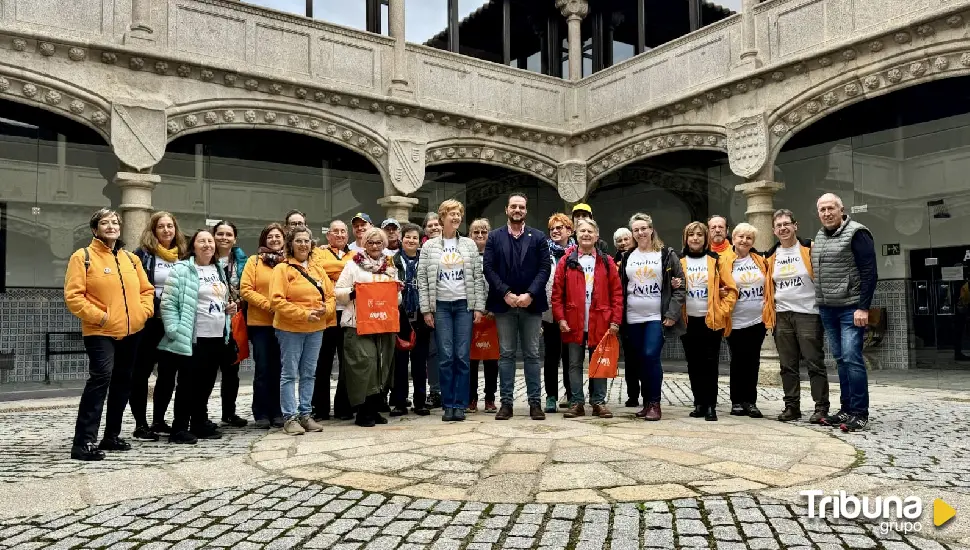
[587, 301]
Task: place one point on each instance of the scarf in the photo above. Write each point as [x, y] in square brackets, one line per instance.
[409, 296]
[170, 255]
[719, 248]
[556, 250]
[377, 267]
[270, 257]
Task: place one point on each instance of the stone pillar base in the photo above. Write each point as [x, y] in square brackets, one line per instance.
[136, 203]
[398, 207]
[770, 372]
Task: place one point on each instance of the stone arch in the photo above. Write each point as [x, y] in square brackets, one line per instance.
[493, 152]
[192, 118]
[650, 144]
[909, 69]
[56, 96]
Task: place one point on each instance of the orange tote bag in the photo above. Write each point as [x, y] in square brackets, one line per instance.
[485, 340]
[606, 357]
[240, 333]
[377, 308]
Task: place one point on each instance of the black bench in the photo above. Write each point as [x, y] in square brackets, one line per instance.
[71, 337]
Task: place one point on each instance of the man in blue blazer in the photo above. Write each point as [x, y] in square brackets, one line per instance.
[517, 268]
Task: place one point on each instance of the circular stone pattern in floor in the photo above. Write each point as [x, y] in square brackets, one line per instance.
[558, 460]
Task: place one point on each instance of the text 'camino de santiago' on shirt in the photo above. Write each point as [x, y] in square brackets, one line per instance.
[210, 318]
[696, 274]
[451, 272]
[751, 293]
[794, 289]
[588, 263]
[643, 287]
[162, 268]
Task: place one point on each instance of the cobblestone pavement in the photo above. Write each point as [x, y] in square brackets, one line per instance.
[917, 444]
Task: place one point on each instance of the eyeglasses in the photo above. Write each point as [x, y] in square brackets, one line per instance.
[480, 232]
[375, 243]
[783, 225]
[558, 228]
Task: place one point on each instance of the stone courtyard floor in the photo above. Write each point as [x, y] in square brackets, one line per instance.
[419, 483]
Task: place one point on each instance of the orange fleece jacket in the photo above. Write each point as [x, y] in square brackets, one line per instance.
[254, 288]
[293, 297]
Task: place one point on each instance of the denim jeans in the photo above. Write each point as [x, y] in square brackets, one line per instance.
[845, 341]
[512, 325]
[453, 331]
[299, 352]
[266, 377]
[556, 353]
[645, 342]
[577, 354]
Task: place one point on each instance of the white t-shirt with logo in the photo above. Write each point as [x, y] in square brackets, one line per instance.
[210, 317]
[794, 289]
[588, 263]
[162, 269]
[749, 308]
[643, 288]
[451, 272]
[697, 275]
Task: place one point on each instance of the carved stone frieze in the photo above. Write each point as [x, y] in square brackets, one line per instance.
[138, 135]
[747, 145]
[406, 163]
[621, 155]
[49, 95]
[522, 160]
[572, 180]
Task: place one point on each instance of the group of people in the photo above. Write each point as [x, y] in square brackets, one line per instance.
[177, 303]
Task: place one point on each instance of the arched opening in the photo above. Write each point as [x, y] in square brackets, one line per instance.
[253, 177]
[484, 190]
[901, 164]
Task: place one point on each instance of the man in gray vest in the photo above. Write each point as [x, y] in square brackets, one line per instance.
[844, 265]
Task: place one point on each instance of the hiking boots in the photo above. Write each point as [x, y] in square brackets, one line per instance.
[835, 420]
[575, 411]
[535, 412]
[504, 413]
[292, 427]
[472, 407]
[88, 452]
[789, 414]
[490, 406]
[602, 411]
[818, 415]
[309, 424]
[652, 413]
[458, 415]
[855, 423]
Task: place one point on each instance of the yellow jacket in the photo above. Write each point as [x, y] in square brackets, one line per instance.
[718, 275]
[115, 283]
[768, 311]
[293, 297]
[254, 288]
[328, 260]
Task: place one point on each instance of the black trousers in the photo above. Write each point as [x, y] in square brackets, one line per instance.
[145, 361]
[491, 379]
[414, 361]
[745, 345]
[701, 347]
[110, 364]
[266, 378]
[333, 345]
[164, 388]
[196, 375]
[556, 354]
[229, 389]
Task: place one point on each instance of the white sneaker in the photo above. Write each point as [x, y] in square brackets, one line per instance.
[292, 427]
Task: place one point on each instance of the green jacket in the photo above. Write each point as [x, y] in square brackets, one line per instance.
[179, 304]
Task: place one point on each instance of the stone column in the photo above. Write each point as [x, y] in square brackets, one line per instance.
[398, 207]
[749, 49]
[760, 195]
[574, 11]
[395, 26]
[141, 22]
[136, 203]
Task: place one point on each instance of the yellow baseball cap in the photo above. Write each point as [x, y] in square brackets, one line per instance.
[583, 207]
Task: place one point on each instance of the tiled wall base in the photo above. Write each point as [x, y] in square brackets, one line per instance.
[27, 313]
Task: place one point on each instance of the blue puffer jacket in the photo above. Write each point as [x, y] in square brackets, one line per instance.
[180, 301]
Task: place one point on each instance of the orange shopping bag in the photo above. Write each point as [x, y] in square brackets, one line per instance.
[485, 340]
[606, 356]
[377, 308]
[240, 334]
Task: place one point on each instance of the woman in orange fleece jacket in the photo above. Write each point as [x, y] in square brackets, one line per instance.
[706, 312]
[302, 297]
[106, 287]
[254, 289]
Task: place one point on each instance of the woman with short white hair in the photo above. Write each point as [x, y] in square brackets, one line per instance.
[623, 240]
[746, 324]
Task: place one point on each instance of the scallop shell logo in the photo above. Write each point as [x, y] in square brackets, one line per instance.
[696, 279]
[645, 272]
[787, 269]
[748, 277]
[589, 278]
[451, 259]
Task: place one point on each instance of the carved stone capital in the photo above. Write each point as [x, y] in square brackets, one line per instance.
[760, 196]
[136, 203]
[572, 180]
[573, 8]
[137, 135]
[406, 164]
[747, 145]
[398, 207]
